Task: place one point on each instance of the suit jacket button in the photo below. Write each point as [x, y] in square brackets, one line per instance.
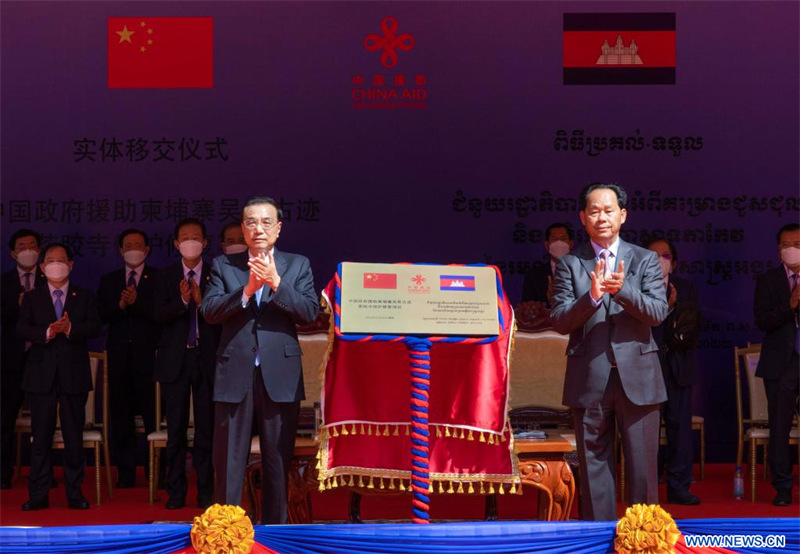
[254, 349]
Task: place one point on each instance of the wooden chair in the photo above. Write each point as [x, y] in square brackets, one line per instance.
[755, 428]
[95, 432]
[158, 440]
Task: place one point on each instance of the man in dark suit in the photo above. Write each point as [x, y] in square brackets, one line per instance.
[57, 320]
[678, 363]
[538, 283]
[258, 296]
[125, 298]
[24, 245]
[608, 295]
[776, 310]
[185, 363]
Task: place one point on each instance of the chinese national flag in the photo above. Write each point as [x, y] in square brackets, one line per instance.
[160, 52]
[380, 280]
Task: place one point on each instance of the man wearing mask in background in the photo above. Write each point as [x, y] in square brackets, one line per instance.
[125, 298]
[24, 246]
[185, 363]
[776, 309]
[678, 363]
[538, 283]
[232, 239]
[57, 319]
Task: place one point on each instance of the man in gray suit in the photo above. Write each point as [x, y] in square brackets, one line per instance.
[608, 295]
[258, 296]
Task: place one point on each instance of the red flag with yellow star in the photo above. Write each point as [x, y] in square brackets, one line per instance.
[160, 52]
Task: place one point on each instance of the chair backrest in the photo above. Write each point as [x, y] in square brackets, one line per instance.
[745, 362]
[315, 348]
[538, 367]
[98, 364]
[755, 386]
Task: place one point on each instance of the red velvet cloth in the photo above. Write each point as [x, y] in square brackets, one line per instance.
[367, 387]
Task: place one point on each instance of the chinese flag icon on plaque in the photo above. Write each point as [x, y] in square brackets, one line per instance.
[160, 52]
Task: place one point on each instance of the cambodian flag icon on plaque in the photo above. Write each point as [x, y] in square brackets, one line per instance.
[457, 282]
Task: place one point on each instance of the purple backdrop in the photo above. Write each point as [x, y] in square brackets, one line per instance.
[474, 175]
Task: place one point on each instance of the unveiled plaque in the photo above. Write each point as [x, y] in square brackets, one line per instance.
[409, 299]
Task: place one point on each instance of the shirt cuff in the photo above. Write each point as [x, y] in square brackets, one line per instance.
[245, 299]
[595, 303]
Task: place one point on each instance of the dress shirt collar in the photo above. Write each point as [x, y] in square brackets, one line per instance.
[250, 255]
[613, 249]
[137, 272]
[198, 270]
[63, 289]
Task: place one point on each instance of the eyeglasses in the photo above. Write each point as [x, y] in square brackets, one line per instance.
[266, 224]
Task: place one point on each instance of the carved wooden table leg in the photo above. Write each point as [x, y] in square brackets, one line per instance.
[490, 507]
[252, 482]
[556, 486]
[302, 477]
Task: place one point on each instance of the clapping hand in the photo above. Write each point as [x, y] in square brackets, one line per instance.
[61, 325]
[614, 282]
[127, 297]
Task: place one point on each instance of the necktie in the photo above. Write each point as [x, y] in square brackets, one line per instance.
[132, 278]
[191, 340]
[258, 306]
[605, 255]
[58, 304]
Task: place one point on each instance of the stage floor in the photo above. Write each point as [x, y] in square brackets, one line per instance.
[131, 505]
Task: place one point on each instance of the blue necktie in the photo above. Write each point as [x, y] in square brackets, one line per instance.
[258, 306]
[191, 340]
[132, 278]
[58, 304]
[28, 283]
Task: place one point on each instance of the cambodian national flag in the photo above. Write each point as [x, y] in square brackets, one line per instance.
[457, 282]
[380, 280]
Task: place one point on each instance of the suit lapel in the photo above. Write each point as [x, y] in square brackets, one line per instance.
[238, 263]
[625, 254]
[146, 279]
[46, 300]
[588, 259]
[205, 276]
[69, 302]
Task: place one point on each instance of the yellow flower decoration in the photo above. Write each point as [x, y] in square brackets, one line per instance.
[222, 530]
[646, 530]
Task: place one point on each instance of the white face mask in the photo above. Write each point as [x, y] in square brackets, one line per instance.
[27, 258]
[235, 249]
[56, 271]
[134, 257]
[666, 266]
[191, 249]
[790, 256]
[558, 248]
